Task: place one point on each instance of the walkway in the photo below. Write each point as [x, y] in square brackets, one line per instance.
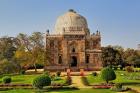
[76, 81]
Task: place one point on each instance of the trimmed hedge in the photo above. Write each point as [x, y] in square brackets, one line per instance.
[6, 79]
[85, 81]
[41, 81]
[68, 80]
[108, 74]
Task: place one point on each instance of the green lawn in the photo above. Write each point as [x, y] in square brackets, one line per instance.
[120, 78]
[61, 91]
[27, 79]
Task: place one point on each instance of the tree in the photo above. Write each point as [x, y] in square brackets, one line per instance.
[110, 57]
[108, 74]
[7, 47]
[8, 67]
[133, 60]
[34, 44]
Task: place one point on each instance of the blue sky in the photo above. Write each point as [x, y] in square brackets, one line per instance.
[118, 20]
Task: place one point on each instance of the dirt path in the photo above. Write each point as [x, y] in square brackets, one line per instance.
[76, 81]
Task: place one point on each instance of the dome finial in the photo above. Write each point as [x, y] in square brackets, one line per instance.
[72, 10]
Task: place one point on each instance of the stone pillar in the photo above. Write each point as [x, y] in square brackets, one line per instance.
[65, 52]
[81, 50]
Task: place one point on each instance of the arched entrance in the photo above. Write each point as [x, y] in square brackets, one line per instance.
[73, 61]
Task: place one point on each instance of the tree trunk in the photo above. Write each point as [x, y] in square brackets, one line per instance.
[35, 67]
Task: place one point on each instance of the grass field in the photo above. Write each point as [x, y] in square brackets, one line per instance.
[27, 79]
[122, 77]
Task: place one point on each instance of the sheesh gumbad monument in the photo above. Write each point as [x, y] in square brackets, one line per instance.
[72, 46]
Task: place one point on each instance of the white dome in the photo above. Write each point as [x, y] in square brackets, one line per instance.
[70, 21]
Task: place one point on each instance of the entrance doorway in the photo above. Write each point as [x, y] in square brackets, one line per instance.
[73, 61]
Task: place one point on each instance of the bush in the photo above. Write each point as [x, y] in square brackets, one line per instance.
[47, 73]
[6, 79]
[22, 72]
[38, 66]
[129, 69]
[58, 73]
[57, 78]
[108, 74]
[41, 81]
[52, 76]
[118, 87]
[115, 67]
[94, 73]
[85, 81]
[120, 66]
[68, 80]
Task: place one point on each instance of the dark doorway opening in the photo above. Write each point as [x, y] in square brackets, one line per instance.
[73, 61]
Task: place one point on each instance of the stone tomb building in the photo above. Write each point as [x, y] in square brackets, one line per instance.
[72, 46]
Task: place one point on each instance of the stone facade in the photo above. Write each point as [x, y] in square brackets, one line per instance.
[72, 46]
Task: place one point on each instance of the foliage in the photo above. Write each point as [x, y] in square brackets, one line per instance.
[108, 74]
[6, 79]
[52, 76]
[34, 45]
[85, 81]
[38, 66]
[94, 73]
[129, 69]
[118, 88]
[7, 47]
[58, 73]
[47, 73]
[7, 67]
[133, 60]
[118, 85]
[57, 78]
[41, 81]
[68, 80]
[110, 57]
[22, 72]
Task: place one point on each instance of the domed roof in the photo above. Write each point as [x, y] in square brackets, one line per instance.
[70, 21]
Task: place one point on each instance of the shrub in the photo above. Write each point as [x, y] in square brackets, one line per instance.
[22, 72]
[68, 80]
[41, 81]
[38, 66]
[85, 81]
[108, 74]
[52, 76]
[6, 79]
[115, 67]
[58, 73]
[57, 78]
[94, 73]
[47, 73]
[120, 66]
[118, 87]
[129, 69]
